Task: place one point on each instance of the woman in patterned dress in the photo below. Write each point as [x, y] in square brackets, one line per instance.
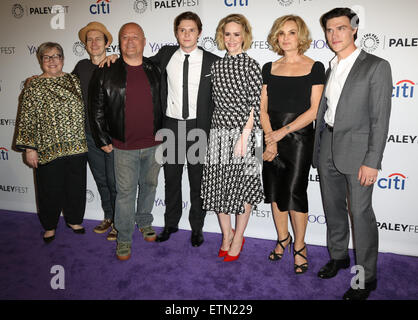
[50, 131]
[231, 182]
[292, 88]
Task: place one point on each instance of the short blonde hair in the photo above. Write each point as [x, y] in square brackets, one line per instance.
[246, 28]
[304, 37]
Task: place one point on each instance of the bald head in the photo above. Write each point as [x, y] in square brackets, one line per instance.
[131, 26]
[132, 43]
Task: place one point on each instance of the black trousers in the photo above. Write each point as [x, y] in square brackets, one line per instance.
[173, 173]
[61, 186]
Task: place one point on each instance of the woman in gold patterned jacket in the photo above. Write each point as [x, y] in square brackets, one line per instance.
[51, 133]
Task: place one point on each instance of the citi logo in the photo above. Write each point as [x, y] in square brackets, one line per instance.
[100, 7]
[394, 181]
[403, 89]
[4, 153]
[236, 3]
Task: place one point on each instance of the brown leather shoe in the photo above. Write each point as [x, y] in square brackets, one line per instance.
[103, 226]
[113, 234]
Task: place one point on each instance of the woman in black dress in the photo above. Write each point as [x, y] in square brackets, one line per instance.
[292, 88]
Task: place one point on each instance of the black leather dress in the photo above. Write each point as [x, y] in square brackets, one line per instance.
[285, 179]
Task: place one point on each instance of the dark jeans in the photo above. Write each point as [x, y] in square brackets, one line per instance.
[61, 186]
[102, 167]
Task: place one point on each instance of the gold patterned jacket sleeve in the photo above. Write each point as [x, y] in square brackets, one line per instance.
[27, 122]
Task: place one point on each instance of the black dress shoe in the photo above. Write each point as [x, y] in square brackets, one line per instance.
[360, 294]
[78, 231]
[49, 239]
[197, 238]
[165, 235]
[330, 270]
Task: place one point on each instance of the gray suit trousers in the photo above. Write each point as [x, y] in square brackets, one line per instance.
[342, 193]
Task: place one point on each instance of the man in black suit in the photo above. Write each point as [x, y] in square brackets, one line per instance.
[186, 98]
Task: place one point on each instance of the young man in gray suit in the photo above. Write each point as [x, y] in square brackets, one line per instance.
[350, 137]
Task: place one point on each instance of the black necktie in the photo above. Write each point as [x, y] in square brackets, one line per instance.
[186, 87]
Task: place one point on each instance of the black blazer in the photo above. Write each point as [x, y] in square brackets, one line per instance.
[205, 103]
[107, 100]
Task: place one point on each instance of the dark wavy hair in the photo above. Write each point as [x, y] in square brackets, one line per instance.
[341, 12]
[188, 15]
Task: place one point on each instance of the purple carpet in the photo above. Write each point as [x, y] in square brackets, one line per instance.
[172, 270]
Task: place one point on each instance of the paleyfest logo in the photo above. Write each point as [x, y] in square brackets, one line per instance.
[18, 11]
[140, 6]
[57, 21]
[208, 43]
[78, 48]
[369, 42]
[285, 3]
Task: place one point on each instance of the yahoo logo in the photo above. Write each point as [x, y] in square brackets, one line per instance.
[319, 44]
[317, 219]
[394, 181]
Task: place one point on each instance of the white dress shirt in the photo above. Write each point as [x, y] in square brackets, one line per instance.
[339, 72]
[175, 83]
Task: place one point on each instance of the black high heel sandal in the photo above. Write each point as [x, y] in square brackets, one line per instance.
[49, 239]
[304, 266]
[274, 256]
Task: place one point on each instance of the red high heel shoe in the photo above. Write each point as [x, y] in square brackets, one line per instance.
[233, 258]
[223, 253]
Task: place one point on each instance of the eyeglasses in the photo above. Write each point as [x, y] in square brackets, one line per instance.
[54, 57]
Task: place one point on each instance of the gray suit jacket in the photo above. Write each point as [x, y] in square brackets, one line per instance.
[362, 116]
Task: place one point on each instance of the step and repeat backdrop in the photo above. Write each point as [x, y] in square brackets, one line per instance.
[387, 28]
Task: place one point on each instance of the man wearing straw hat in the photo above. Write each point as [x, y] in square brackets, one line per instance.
[96, 39]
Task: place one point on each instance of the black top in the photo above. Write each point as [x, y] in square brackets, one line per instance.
[287, 94]
[84, 70]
